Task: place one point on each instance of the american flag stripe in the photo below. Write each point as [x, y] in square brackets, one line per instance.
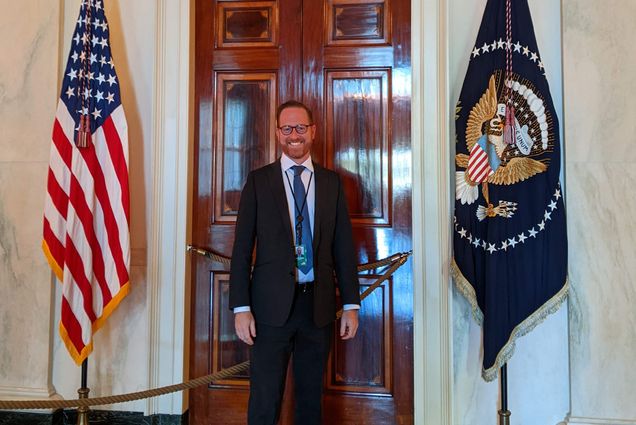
[86, 236]
[478, 161]
[110, 269]
[71, 328]
[478, 167]
[109, 210]
[78, 273]
[483, 172]
[114, 163]
[56, 201]
[118, 156]
[90, 243]
[62, 145]
[53, 250]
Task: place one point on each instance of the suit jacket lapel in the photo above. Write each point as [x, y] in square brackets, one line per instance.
[321, 188]
[275, 177]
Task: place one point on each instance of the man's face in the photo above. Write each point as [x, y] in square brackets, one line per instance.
[296, 146]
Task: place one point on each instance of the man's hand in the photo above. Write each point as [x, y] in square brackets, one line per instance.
[246, 327]
[349, 324]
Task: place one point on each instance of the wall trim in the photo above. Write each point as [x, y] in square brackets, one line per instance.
[168, 228]
[25, 393]
[431, 213]
[579, 420]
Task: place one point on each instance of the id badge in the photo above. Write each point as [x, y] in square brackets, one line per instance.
[301, 256]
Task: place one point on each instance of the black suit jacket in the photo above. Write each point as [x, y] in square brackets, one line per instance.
[263, 220]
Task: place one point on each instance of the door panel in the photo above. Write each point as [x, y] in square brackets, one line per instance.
[227, 350]
[358, 141]
[357, 22]
[246, 111]
[374, 374]
[247, 24]
[349, 61]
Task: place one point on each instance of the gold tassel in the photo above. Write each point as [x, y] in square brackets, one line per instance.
[84, 133]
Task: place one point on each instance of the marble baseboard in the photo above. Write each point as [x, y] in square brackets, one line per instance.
[8, 417]
[21, 393]
[577, 420]
[96, 417]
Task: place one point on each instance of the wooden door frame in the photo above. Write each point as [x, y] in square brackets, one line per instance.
[169, 268]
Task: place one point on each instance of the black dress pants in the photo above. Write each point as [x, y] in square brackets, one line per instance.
[308, 346]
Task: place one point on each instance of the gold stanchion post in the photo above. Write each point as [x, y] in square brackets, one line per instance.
[82, 411]
[504, 417]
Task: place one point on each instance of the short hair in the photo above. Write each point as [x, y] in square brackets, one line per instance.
[294, 104]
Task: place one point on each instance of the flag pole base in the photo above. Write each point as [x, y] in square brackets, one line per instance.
[82, 411]
[504, 417]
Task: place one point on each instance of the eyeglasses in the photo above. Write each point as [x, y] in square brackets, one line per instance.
[300, 129]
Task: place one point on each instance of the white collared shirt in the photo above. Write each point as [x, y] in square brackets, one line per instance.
[286, 165]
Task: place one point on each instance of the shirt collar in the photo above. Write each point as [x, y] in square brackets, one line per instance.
[286, 163]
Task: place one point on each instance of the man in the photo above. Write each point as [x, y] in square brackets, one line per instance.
[295, 212]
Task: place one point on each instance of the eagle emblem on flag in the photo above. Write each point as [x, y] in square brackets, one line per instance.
[495, 161]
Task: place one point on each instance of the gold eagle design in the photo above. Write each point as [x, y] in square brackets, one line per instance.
[514, 167]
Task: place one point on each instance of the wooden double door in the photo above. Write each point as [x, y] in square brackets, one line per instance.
[349, 61]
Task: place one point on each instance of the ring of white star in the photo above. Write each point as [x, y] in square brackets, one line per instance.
[505, 45]
[511, 243]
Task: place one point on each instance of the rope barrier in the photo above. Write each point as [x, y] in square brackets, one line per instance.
[361, 267]
[396, 261]
[98, 401]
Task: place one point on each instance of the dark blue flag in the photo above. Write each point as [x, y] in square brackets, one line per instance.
[509, 239]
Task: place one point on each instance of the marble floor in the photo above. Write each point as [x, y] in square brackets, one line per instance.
[97, 417]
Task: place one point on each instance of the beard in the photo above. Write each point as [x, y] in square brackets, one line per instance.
[296, 147]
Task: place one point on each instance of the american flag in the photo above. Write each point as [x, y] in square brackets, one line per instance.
[87, 214]
[478, 167]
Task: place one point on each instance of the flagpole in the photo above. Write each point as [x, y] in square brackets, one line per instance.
[504, 413]
[82, 411]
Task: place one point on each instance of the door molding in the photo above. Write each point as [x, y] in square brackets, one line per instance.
[169, 232]
[169, 227]
[431, 213]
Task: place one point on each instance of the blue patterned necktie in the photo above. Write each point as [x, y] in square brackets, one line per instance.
[303, 229]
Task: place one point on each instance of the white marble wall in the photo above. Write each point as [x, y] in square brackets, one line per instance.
[599, 59]
[28, 96]
[538, 371]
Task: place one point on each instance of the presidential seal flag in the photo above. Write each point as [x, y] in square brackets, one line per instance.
[86, 213]
[509, 236]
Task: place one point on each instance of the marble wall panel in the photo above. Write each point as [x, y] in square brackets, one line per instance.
[28, 78]
[25, 282]
[603, 276]
[28, 95]
[599, 57]
[600, 135]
